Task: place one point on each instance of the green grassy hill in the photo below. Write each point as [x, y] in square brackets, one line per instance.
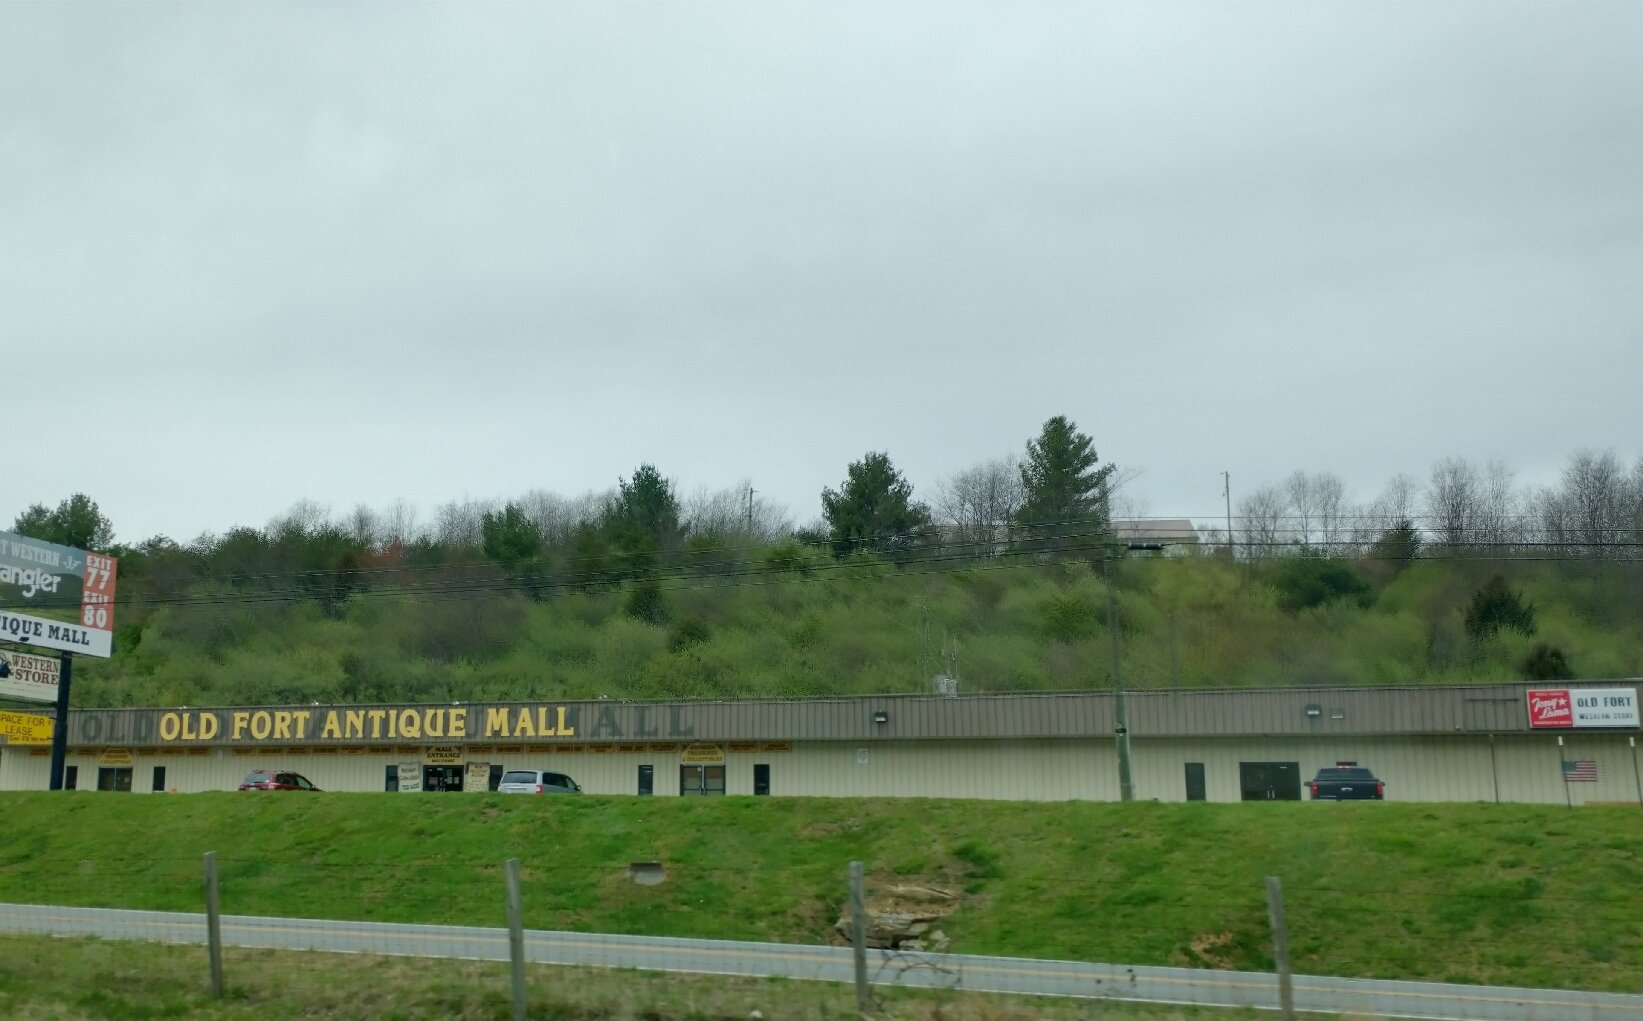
[803, 625]
[1483, 893]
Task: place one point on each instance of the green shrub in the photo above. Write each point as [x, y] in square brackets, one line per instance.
[1067, 618]
[687, 632]
[1495, 606]
[1546, 662]
[645, 602]
[1312, 579]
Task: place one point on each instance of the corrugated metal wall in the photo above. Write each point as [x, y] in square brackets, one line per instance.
[1454, 767]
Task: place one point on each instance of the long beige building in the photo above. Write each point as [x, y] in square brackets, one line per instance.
[1574, 743]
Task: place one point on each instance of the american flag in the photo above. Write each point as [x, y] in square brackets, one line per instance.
[1580, 771]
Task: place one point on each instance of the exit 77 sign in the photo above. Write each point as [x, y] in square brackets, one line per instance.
[58, 597]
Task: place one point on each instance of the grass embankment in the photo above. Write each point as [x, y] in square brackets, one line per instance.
[1519, 895]
[91, 980]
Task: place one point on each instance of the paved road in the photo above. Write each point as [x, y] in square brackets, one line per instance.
[834, 964]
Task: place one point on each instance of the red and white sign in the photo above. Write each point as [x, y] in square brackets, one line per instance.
[56, 596]
[1553, 708]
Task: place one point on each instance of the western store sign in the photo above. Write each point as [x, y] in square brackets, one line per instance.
[387, 724]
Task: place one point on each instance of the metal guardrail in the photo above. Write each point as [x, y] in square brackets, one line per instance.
[1200, 987]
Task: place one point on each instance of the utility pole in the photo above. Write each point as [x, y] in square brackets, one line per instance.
[59, 727]
[1121, 712]
[749, 510]
[1226, 491]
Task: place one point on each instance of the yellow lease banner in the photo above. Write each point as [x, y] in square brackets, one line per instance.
[25, 728]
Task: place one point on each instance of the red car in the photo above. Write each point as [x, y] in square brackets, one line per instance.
[276, 780]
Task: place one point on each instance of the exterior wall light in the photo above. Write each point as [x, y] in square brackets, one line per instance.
[1314, 711]
[881, 716]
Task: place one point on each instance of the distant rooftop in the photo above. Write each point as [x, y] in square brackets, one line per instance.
[1166, 530]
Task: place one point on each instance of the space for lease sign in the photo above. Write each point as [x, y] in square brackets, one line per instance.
[56, 596]
[1553, 708]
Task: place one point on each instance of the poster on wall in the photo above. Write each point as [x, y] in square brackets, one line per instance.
[1564, 708]
[410, 777]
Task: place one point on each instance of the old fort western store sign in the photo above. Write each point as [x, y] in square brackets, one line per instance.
[319, 725]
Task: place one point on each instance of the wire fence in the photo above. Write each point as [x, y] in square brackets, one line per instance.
[315, 936]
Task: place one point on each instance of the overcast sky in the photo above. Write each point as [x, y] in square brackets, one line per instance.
[253, 254]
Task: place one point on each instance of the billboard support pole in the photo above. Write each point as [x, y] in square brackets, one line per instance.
[59, 727]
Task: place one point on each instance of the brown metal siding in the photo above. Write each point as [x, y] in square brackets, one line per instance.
[1473, 709]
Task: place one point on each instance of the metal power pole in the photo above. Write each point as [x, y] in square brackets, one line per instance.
[213, 925]
[1280, 946]
[1226, 491]
[858, 938]
[1121, 711]
[516, 936]
[59, 727]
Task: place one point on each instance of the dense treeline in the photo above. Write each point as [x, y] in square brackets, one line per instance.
[999, 582]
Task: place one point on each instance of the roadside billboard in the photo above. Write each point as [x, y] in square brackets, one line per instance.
[56, 596]
[1567, 708]
[29, 677]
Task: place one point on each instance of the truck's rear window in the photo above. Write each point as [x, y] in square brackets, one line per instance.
[1345, 774]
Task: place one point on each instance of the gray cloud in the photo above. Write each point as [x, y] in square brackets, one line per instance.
[357, 252]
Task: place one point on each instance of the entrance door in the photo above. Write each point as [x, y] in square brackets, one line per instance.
[761, 778]
[1195, 781]
[442, 778]
[114, 778]
[701, 781]
[1270, 781]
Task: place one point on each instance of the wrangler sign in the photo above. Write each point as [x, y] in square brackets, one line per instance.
[69, 594]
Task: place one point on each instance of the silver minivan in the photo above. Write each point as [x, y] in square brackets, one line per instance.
[536, 781]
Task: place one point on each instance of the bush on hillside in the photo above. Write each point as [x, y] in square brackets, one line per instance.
[688, 631]
[1313, 579]
[646, 602]
[1497, 607]
[1067, 618]
[1546, 662]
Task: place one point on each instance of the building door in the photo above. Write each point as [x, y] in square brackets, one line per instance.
[114, 778]
[701, 781]
[442, 778]
[647, 779]
[1270, 781]
[761, 778]
[1195, 781]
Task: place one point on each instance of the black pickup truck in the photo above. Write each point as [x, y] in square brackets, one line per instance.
[1346, 782]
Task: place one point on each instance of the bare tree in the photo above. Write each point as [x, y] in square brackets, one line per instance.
[1260, 521]
[1451, 501]
[1499, 514]
[979, 503]
[458, 523]
[737, 511]
[1394, 506]
[304, 518]
[1299, 495]
[1597, 502]
[365, 526]
[400, 524]
[557, 518]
